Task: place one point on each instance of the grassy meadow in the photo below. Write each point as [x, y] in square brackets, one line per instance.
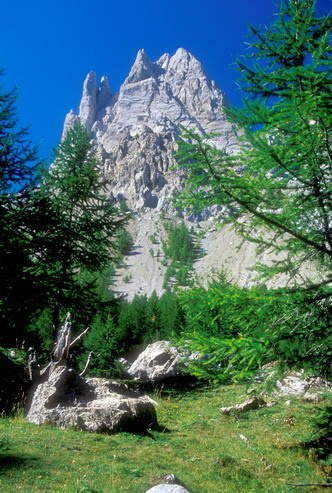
[209, 452]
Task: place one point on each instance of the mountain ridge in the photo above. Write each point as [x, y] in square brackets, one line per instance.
[136, 129]
[135, 132]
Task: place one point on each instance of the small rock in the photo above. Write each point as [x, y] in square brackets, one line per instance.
[124, 363]
[312, 398]
[270, 404]
[254, 403]
[168, 488]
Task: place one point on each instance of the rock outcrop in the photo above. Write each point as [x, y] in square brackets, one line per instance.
[297, 383]
[136, 129]
[90, 404]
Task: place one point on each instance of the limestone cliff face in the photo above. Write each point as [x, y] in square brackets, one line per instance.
[136, 129]
[135, 132]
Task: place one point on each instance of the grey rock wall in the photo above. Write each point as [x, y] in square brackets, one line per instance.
[136, 130]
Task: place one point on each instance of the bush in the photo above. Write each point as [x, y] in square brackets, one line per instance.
[238, 330]
[124, 242]
[4, 443]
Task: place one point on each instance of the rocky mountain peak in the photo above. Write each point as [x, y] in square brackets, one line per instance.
[88, 106]
[142, 68]
[185, 61]
[90, 85]
[104, 94]
[136, 130]
[93, 99]
[70, 120]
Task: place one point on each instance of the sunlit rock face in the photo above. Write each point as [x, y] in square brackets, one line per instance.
[68, 400]
[135, 132]
[136, 129]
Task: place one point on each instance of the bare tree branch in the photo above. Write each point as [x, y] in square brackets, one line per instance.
[79, 337]
[86, 364]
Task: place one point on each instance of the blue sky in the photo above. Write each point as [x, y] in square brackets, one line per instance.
[48, 47]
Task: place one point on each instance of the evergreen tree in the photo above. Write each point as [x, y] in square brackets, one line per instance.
[105, 341]
[180, 249]
[152, 323]
[170, 315]
[80, 226]
[124, 242]
[18, 157]
[132, 320]
[19, 296]
[278, 190]
[281, 180]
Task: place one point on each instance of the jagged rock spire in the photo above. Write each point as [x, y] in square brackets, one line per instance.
[88, 106]
[136, 130]
[142, 68]
[104, 94]
[186, 62]
[70, 120]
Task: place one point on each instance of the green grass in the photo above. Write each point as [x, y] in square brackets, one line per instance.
[196, 443]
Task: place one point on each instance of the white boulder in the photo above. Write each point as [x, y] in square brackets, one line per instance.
[90, 404]
[158, 362]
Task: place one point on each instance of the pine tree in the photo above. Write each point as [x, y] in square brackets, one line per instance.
[80, 227]
[18, 157]
[152, 324]
[18, 173]
[278, 191]
[280, 183]
[170, 315]
[132, 320]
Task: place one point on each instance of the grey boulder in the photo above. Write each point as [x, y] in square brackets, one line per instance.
[159, 361]
[90, 404]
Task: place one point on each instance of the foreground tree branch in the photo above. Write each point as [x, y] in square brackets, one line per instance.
[280, 181]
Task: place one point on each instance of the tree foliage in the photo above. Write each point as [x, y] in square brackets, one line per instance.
[18, 156]
[80, 224]
[124, 242]
[278, 192]
[180, 250]
[240, 329]
[280, 181]
[127, 325]
[19, 296]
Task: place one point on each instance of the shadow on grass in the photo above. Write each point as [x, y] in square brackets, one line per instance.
[177, 385]
[149, 433]
[9, 462]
